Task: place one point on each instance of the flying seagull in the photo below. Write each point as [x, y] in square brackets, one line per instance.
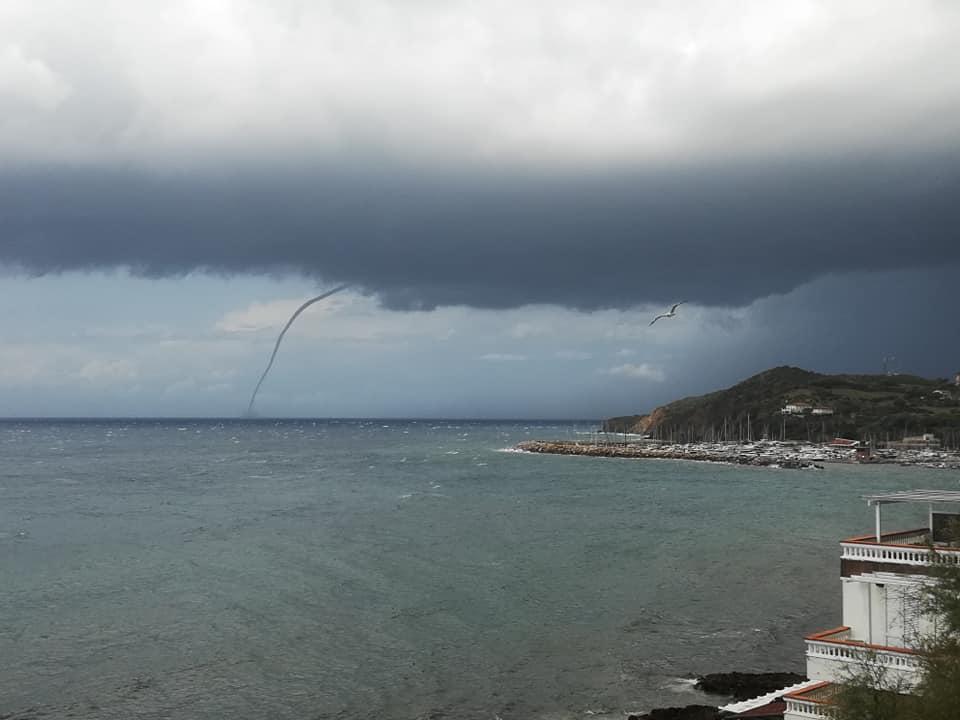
[673, 311]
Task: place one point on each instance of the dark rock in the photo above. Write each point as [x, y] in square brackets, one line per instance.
[690, 712]
[743, 686]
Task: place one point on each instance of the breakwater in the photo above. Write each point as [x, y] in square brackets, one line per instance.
[764, 453]
[668, 452]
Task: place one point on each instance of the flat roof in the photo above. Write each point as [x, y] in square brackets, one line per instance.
[914, 496]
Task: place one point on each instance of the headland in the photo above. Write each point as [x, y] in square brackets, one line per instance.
[788, 403]
[791, 418]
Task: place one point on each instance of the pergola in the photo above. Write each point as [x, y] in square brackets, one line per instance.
[928, 497]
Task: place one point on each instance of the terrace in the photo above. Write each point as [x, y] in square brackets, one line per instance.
[925, 546]
[813, 702]
[833, 653]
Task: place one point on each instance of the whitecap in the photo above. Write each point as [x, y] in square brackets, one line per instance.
[679, 685]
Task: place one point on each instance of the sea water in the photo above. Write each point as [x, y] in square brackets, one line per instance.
[399, 569]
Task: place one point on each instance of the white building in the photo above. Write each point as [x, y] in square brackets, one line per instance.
[916, 442]
[795, 408]
[822, 411]
[881, 578]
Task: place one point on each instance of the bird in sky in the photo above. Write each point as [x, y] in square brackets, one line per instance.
[673, 312]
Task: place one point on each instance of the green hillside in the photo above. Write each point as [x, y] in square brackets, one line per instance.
[866, 407]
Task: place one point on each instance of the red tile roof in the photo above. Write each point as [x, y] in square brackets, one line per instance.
[764, 712]
[843, 442]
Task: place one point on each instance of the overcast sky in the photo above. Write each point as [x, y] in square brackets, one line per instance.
[512, 189]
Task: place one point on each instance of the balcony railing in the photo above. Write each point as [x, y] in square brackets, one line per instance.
[837, 645]
[811, 703]
[908, 547]
[797, 707]
[897, 554]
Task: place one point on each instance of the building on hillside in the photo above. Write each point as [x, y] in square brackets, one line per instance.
[956, 379]
[822, 411]
[881, 576]
[926, 441]
[795, 408]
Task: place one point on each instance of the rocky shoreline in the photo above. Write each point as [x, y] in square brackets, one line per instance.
[764, 453]
[688, 712]
[733, 685]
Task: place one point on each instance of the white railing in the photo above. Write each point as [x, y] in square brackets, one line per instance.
[895, 555]
[812, 703]
[797, 708]
[842, 652]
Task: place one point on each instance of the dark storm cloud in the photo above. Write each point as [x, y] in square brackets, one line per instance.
[710, 235]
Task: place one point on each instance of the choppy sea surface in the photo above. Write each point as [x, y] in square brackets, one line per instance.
[399, 569]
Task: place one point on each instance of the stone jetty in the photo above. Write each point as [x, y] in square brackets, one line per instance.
[692, 451]
[763, 453]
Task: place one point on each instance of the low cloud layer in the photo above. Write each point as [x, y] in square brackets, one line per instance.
[709, 235]
[643, 371]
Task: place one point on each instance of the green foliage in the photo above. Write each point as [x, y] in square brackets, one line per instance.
[938, 696]
[860, 699]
